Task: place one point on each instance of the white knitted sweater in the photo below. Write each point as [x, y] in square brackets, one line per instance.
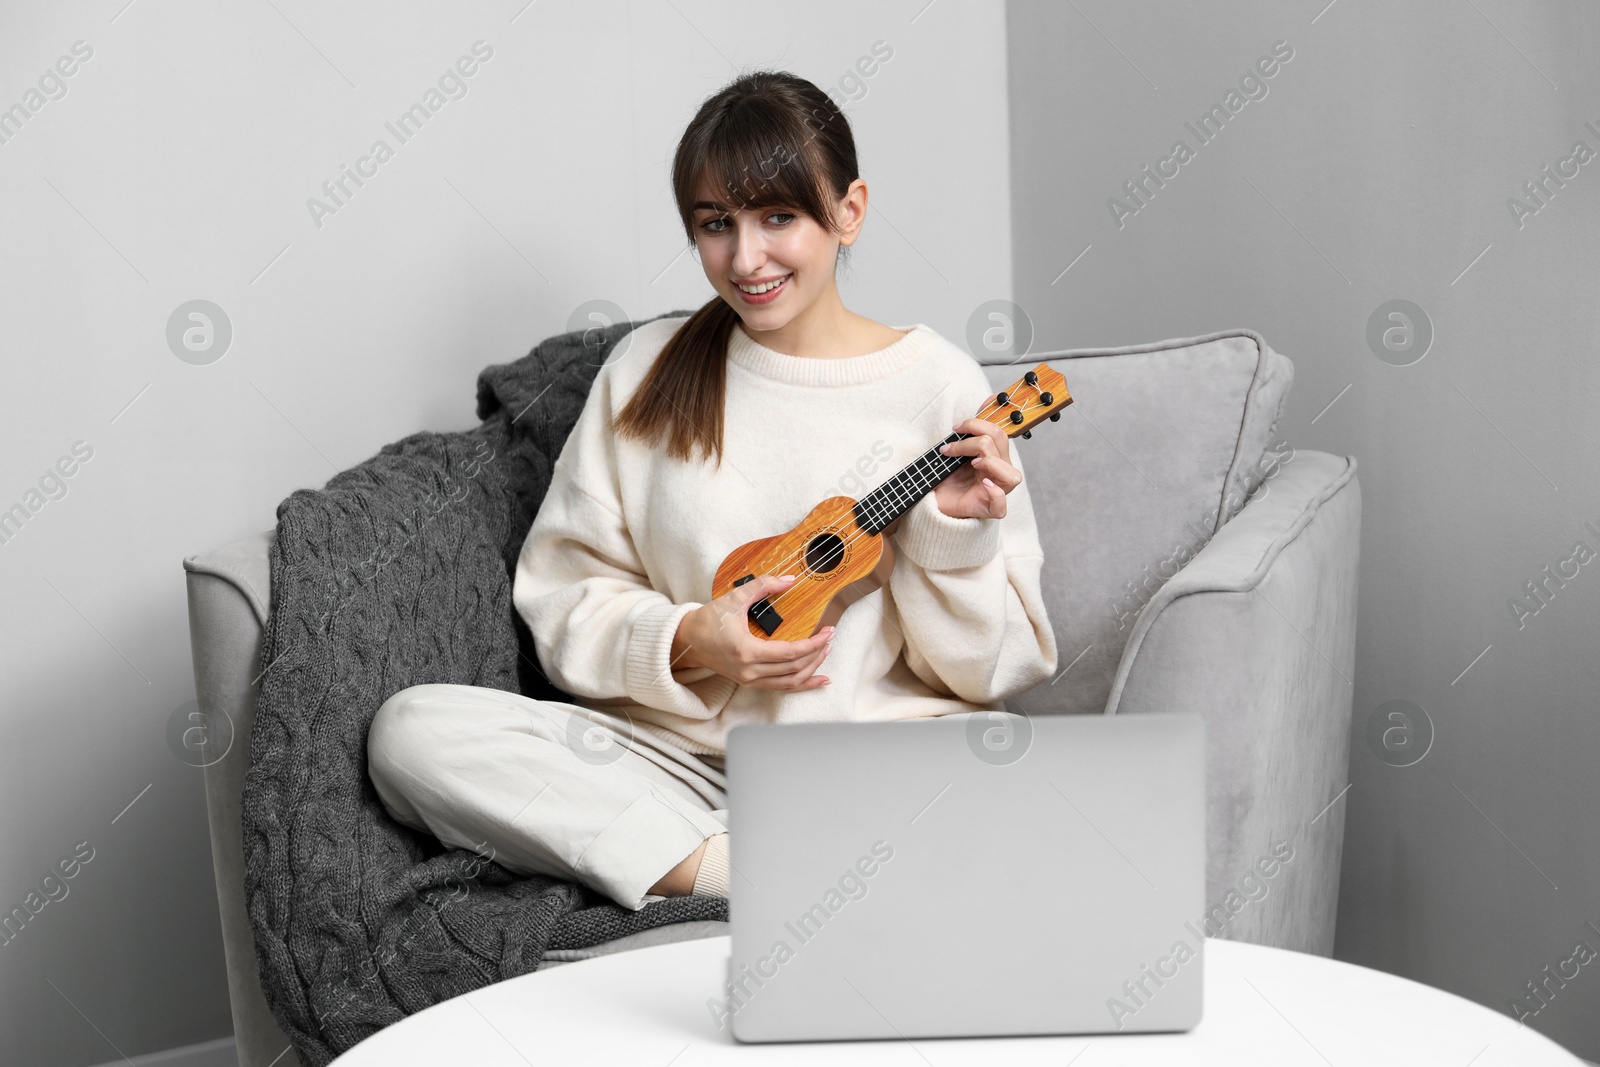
[628, 541]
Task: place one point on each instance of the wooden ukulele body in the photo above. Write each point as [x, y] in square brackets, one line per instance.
[826, 551]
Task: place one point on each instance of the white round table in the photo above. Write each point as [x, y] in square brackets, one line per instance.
[1262, 1006]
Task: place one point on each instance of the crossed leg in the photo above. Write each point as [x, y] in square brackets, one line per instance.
[553, 788]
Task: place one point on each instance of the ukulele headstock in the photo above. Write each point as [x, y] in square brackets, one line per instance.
[1039, 394]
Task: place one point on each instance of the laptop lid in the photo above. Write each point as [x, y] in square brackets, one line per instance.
[975, 874]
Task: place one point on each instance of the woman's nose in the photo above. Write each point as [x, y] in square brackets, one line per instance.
[749, 253]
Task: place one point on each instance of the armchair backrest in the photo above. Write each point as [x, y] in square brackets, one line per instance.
[1161, 446]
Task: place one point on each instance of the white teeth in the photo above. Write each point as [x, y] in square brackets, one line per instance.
[756, 290]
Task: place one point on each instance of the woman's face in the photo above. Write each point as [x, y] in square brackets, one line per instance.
[752, 248]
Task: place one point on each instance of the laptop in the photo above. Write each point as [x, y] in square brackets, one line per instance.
[976, 874]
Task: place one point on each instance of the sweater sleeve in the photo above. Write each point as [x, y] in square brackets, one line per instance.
[599, 628]
[969, 602]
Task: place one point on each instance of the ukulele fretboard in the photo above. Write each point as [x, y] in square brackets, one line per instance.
[875, 511]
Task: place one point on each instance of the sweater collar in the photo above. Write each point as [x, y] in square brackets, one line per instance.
[849, 370]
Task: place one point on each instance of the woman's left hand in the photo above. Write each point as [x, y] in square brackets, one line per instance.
[977, 489]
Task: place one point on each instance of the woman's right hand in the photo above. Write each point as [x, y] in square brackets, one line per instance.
[717, 635]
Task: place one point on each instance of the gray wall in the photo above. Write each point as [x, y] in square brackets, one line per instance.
[177, 166]
[1378, 167]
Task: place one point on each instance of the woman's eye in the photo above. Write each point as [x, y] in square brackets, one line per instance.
[720, 224]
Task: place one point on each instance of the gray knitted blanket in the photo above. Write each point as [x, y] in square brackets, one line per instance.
[398, 572]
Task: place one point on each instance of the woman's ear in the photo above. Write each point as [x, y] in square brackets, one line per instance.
[852, 212]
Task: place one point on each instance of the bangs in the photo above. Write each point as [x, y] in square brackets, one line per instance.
[765, 173]
[757, 154]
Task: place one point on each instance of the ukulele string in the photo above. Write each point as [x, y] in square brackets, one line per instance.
[842, 549]
[799, 554]
[954, 461]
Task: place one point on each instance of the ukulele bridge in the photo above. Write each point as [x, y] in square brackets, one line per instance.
[762, 613]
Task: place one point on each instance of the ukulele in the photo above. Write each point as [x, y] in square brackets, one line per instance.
[841, 540]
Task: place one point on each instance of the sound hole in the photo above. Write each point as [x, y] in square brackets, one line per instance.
[824, 553]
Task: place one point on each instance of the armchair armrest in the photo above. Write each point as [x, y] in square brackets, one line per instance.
[229, 592]
[1257, 634]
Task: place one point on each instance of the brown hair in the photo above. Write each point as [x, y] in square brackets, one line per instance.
[767, 139]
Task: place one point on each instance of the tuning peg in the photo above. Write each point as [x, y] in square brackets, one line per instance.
[1046, 399]
[1031, 378]
[1055, 416]
[1002, 398]
[1016, 417]
[1027, 435]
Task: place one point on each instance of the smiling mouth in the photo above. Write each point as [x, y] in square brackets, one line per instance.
[764, 287]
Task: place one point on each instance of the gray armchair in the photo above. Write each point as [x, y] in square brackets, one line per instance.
[1187, 568]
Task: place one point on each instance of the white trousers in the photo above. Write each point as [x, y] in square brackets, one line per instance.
[543, 787]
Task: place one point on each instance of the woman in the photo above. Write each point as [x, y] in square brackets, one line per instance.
[706, 433]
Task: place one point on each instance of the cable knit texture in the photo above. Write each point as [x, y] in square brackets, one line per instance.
[398, 572]
[628, 542]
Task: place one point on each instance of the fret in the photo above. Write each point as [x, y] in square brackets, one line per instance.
[900, 493]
